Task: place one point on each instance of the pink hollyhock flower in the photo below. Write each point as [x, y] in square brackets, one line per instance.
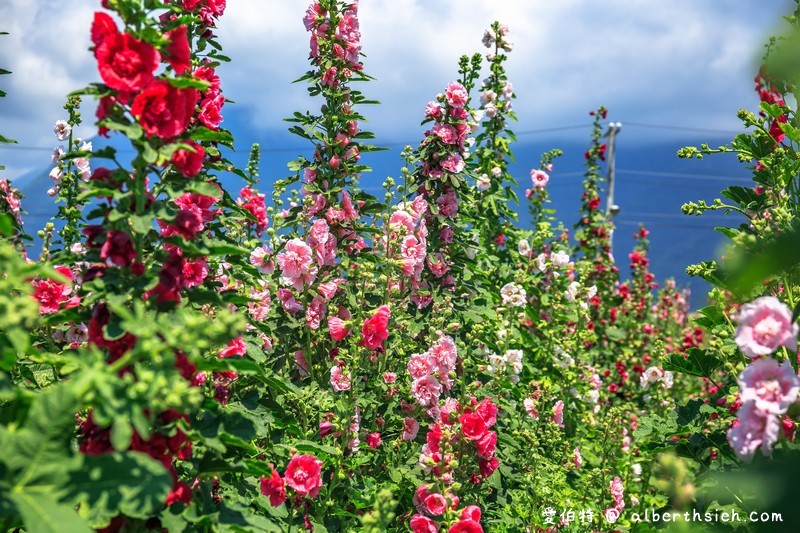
[295, 262]
[329, 288]
[446, 133]
[235, 347]
[435, 504]
[433, 110]
[617, 491]
[303, 475]
[558, 413]
[456, 94]
[539, 178]
[771, 386]
[471, 512]
[410, 429]
[301, 362]
[422, 524]
[466, 526]
[454, 163]
[426, 390]
[530, 408]
[50, 293]
[339, 380]
[315, 312]
[260, 258]
[337, 329]
[288, 301]
[253, 202]
[195, 272]
[752, 430]
[274, 488]
[577, 460]
[473, 426]
[375, 329]
[438, 265]
[373, 440]
[420, 365]
[211, 111]
[763, 325]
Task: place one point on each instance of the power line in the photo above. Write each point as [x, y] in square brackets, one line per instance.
[706, 177]
[681, 128]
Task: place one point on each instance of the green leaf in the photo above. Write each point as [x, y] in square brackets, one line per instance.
[189, 83]
[42, 513]
[131, 483]
[204, 134]
[696, 363]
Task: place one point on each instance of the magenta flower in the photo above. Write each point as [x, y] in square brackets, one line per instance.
[764, 325]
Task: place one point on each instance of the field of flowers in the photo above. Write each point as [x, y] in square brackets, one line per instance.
[182, 357]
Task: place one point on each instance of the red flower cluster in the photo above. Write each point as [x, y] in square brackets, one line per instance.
[303, 474]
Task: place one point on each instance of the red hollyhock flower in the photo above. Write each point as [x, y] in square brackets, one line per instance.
[303, 475]
[375, 329]
[471, 512]
[373, 440]
[188, 162]
[423, 524]
[473, 426]
[51, 293]
[275, 488]
[488, 411]
[178, 53]
[126, 63]
[211, 111]
[466, 526]
[102, 26]
[337, 328]
[181, 493]
[163, 110]
[487, 444]
[236, 346]
[118, 248]
[487, 466]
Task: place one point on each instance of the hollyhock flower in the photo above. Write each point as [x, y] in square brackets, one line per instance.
[337, 329]
[560, 259]
[274, 488]
[435, 504]
[125, 63]
[558, 413]
[51, 293]
[178, 53]
[328, 289]
[375, 329]
[487, 444]
[189, 162]
[62, 129]
[422, 524]
[102, 26]
[488, 411]
[315, 312]
[195, 272]
[389, 377]
[456, 94]
[163, 110]
[488, 466]
[513, 295]
[454, 163]
[410, 429]
[288, 301]
[260, 258]
[577, 460]
[253, 202]
[235, 347]
[530, 408]
[763, 325]
[303, 475]
[420, 365]
[339, 380]
[483, 183]
[651, 375]
[772, 387]
[473, 427]
[426, 390]
[118, 248]
[373, 440]
[466, 526]
[295, 263]
[211, 111]
[617, 491]
[539, 178]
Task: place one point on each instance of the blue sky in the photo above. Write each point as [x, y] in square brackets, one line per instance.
[681, 62]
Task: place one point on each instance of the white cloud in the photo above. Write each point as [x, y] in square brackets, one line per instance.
[682, 61]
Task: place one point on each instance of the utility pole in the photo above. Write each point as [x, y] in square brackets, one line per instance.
[611, 208]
